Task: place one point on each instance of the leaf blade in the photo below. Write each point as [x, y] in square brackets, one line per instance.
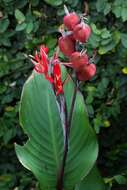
[43, 151]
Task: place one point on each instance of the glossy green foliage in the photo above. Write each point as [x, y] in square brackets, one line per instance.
[105, 95]
[43, 152]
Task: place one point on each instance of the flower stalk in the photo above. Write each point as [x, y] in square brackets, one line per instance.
[67, 126]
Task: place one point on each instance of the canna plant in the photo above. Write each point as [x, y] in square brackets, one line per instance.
[62, 148]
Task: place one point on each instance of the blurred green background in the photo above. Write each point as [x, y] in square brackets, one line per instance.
[24, 25]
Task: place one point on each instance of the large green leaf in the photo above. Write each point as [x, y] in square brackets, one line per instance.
[93, 181]
[42, 154]
[40, 120]
[83, 147]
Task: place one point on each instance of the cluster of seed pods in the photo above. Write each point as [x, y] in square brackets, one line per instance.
[77, 32]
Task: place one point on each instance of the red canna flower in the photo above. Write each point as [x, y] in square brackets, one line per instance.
[41, 62]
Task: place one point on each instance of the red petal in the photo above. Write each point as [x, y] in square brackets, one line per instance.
[57, 79]
[44, 48]
[38, 68]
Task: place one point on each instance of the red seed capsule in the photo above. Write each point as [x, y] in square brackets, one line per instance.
[82, 32]
[71, 20]
[79, 60]
[72, 37]
[86, 72]
[66, 45]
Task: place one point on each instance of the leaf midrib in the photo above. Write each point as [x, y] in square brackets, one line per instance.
[54, 144]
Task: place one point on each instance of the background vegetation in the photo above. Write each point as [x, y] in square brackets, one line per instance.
[26, 24]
